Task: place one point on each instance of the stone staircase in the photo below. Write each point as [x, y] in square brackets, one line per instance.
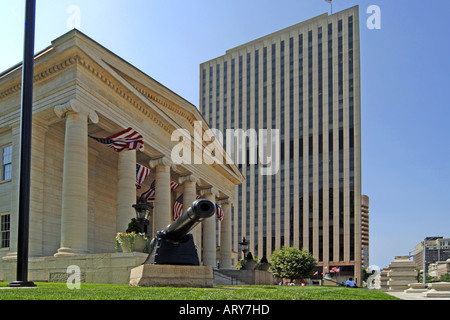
[221, 279]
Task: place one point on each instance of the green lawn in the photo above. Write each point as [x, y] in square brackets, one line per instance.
[59, 291]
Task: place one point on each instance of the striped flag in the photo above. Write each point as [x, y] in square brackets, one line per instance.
[128, 139]
[173, 186]
[178, 208]
[329, 1]
[219, 212]
[149, 195]
[141, 173]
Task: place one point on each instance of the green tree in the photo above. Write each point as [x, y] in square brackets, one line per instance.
[293, 263]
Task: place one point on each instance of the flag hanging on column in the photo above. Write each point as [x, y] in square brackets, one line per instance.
[173, 186]
[128, 139]
[219, 212]
[141, 173]
[178, 208]
[149, 195]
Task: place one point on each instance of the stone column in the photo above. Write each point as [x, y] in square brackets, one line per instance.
[37, 205]
[14, 193]
[126, 195]
[74, 208]
[162, 211]
[225, 235]
[189, 184]
[209, 231]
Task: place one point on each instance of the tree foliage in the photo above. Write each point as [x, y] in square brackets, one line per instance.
[293, 263]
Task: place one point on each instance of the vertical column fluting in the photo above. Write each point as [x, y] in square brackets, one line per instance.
[162, 210]
[74, 205]
[126, 195]
[209, 231]
[225, 235]
[189, 184]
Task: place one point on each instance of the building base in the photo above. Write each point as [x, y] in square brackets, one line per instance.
[108, 268]
[158, 275]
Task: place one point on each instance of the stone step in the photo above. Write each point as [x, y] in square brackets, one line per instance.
[222, 279]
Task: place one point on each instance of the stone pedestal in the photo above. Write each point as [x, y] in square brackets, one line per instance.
[384, 280]
[417, 288]
[158, 275]
[438, 290]
[401, 273]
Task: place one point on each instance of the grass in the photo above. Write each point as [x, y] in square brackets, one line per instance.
[59, 291]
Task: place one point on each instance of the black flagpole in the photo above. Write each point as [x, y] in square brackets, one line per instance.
[25, 152]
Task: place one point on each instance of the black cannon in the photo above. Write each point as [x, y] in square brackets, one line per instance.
[175, 245]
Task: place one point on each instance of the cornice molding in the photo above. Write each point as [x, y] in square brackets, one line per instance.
[83, 62]
[42, 75]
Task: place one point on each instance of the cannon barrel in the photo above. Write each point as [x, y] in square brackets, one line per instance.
[200, 210]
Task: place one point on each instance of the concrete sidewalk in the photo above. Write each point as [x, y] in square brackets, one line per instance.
[413, 296]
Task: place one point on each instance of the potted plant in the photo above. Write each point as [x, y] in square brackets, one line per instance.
[132, 239]
[263, 264]
[126, 240]
[141, 241]
[249, 263]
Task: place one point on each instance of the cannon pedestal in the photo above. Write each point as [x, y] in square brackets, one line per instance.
[159, 275]
[173, 260]
[177, 254]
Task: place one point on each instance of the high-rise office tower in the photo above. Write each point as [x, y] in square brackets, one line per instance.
[305, 81]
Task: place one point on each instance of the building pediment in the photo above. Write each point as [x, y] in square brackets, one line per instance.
[75, 66]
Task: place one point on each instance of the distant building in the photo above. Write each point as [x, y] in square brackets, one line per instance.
[434, 249]
[305, 81]
[365, 231]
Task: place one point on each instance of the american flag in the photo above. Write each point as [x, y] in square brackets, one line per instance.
[173, 186]
[329, 1]
[178, 208]
[149, 195]
[219, 212]
[141, 173]
[128, 139]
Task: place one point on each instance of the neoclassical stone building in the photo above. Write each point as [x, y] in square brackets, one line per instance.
[82, 192]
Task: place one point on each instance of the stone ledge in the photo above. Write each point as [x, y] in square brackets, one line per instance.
[154, 275]
[112, 268]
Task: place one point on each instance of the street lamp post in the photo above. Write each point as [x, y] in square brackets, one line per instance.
[25, 152]
[143, 213]
[244, 246]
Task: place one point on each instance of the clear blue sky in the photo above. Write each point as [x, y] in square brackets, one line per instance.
[405, 69]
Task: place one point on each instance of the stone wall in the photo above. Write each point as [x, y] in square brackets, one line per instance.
[257, 277]
[112, 268]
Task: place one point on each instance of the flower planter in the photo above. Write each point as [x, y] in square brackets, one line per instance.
[263, 266]
[126, 247]
[131, 242]
[249, 264]
[139, 244]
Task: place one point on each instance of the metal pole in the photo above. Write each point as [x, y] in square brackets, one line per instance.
[424, 264]
[25, 152]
